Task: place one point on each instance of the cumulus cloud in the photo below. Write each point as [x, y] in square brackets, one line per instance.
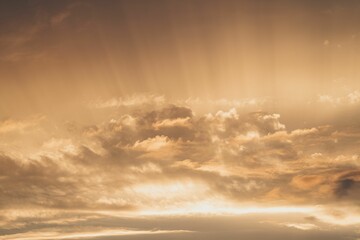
[170, 157]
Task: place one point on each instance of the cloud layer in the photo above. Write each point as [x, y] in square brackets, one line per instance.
[167, 159]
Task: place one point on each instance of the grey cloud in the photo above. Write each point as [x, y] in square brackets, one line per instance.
[343, 187]
[347, 186]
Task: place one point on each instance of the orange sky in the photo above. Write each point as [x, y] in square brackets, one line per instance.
[179, 119]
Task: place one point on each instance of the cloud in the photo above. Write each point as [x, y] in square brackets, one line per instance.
[347, 185]
[12, 125]
[307, 181]
[53, 235]
[225, 103]
[350, 98]
[132, 101]
[251, 226]
[301, 226]
[343, 186]
[169, 158]
[237, 156]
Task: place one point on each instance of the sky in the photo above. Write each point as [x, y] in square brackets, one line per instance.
[169, 119]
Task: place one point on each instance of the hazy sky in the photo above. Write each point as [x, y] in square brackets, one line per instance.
[186, 119]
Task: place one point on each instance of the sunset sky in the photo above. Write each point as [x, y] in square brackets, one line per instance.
[180, 119]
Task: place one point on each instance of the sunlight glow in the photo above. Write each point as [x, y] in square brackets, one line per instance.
[221, 208]
[75, 235]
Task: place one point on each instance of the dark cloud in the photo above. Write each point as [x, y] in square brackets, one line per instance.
[347, 186]
[343, 187]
